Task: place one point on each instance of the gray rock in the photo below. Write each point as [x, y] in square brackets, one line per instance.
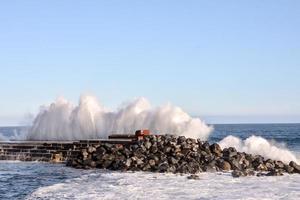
[147, 145]
[279, 165]
[295, 166]
[181, 139]
[216, 149]
[237, 173]
[288, 169]
[193, 177]
[151, 162]
[275, 172]
[225, 166]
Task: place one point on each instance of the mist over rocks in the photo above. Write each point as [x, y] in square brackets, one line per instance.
[63, 120]
[178, 154]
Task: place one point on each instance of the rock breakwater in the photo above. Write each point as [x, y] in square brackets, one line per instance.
[177, 154]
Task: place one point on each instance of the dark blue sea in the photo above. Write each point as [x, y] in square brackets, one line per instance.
[34, 180]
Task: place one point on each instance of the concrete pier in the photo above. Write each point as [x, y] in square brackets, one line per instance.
[49, 151]
[59, 151]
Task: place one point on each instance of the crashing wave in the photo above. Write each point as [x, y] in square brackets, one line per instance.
[89, 120]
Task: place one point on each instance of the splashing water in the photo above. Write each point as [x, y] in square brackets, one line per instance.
[89, 120]
[257, 145]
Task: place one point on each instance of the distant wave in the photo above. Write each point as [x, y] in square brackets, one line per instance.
[89, 120]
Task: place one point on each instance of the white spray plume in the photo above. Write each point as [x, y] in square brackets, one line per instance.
[257, 145]
[89, 120]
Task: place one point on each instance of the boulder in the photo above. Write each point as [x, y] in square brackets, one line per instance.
[225, 166]
[275, 172]
[193, 177]
[216, 149]
[288, 169]
[295, 166]
[237, 173]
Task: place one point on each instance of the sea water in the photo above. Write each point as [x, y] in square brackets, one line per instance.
[33, 180]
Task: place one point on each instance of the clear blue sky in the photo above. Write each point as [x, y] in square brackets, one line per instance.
[228, 61]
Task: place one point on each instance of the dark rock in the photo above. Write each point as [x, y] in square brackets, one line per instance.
[229, 152]
[270, 166]
[249, 172]
[193, 177]
[172, 160]
[260, 174]
[235, 165]
[224, 165]
[153, 149]
[181, 139]
[216, 149]
[261, 167]
[237, 173]
[295, 166]
[258, 160]
[163, 167]
[279, 165]
[275, 172]
[288, 169]
[205, 147]
[151, 162]
[171, 154]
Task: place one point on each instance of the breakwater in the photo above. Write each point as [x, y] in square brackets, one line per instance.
[145, 152]
[168, 153]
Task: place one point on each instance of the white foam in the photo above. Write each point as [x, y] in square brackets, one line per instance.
[259, 146]
[125, 185]
[89, 120]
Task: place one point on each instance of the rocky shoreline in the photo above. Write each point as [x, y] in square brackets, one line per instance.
[177, 154]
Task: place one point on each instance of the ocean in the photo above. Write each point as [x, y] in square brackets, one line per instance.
[34, 180]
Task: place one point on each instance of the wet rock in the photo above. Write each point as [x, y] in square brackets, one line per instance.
[171, 154]
[235, 165]
[181, 139]
[260, 174]
[128, 162]
[275, 172]
[288, 169]
[224, 165]
[148, 145]
[261, 167]
[229, 152]
[172, 160]
[216, 149]
[237, 173]
[249, 172]
[279, 165]
[91, 149]
[193, 177]
[258, 160]
[270, 166]
[163, 167]
[153, 149]
[151, 162]
[295, 166]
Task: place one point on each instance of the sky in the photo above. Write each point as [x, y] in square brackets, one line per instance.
[225, 61]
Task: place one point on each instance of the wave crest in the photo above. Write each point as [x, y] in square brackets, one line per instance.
[259, 146]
